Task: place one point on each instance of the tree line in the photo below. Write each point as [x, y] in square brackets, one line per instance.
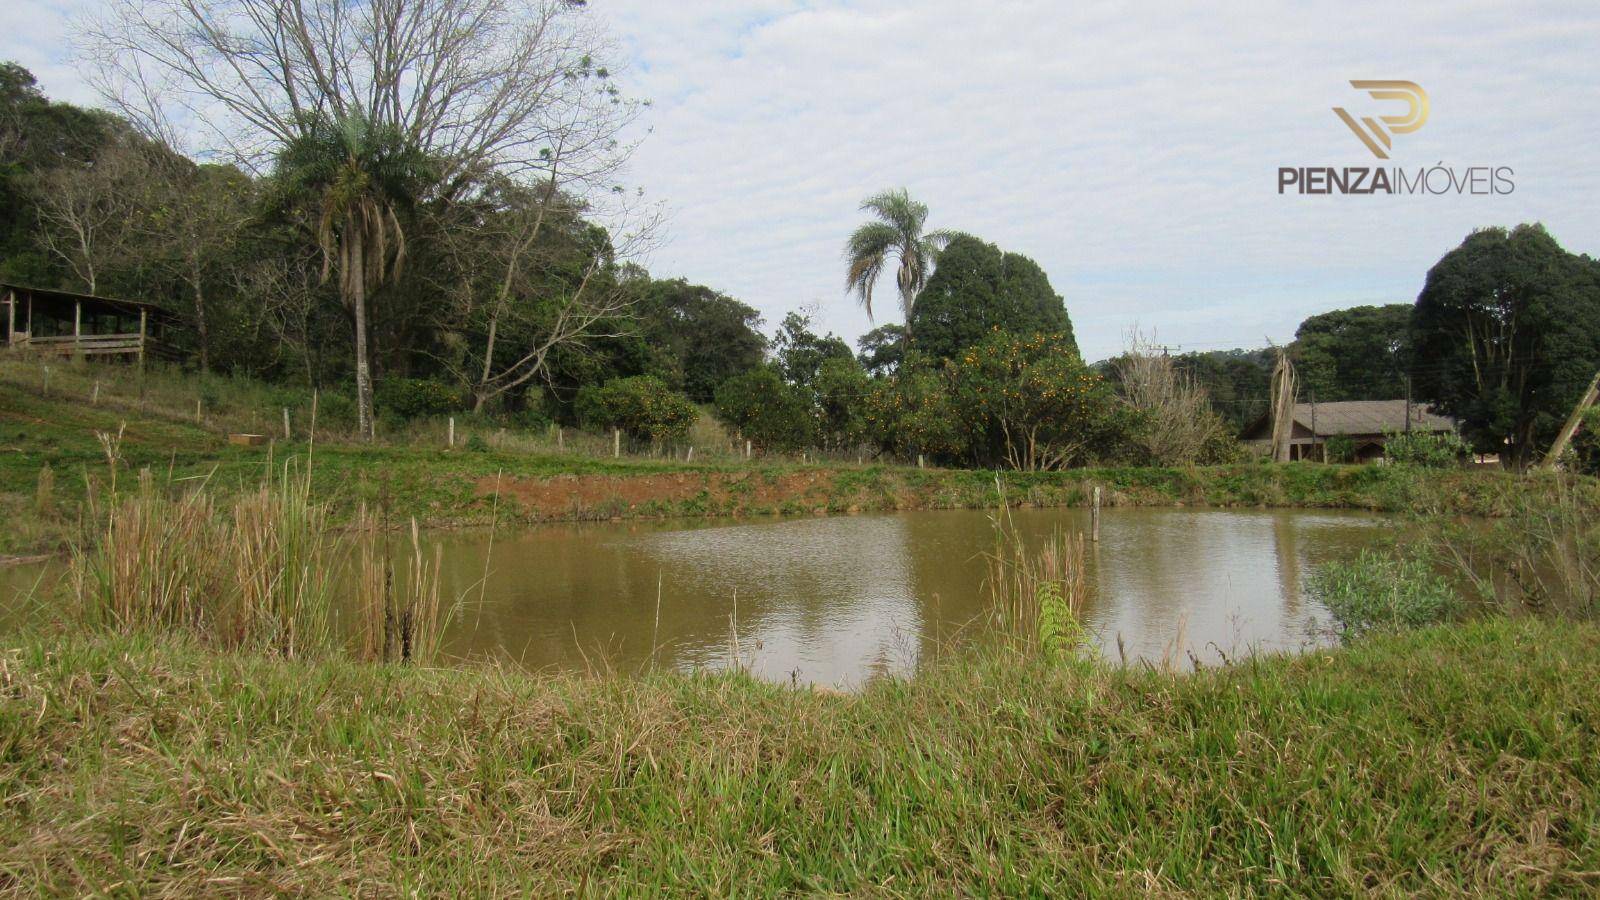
[322, 207]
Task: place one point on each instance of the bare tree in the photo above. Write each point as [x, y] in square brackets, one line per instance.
[285, 289]
[513, 87]
[193, 215]
[87, 214]
[1179, 421]
[477, 85]
[517, 276]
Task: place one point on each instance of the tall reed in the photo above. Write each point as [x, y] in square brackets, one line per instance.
[403, 617]
[257, 574]
[285, 556]
[1036, 595]
[154, 562]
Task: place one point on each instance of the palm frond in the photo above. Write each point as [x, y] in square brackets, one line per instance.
[865, 254]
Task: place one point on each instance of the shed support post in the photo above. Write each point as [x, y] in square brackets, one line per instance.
[141, 338]
[11, 318]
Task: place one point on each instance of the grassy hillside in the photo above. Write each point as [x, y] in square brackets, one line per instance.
[525, 477]
[1457, 759]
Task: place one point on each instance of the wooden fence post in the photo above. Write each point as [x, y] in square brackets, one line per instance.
[450, 436]
[616, 443]
[286, 433]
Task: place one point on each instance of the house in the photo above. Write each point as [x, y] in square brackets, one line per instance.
[1365, 422]
[71, 324]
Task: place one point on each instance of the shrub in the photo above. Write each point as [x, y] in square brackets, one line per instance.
[767, 410]
[1583, 455]
[1028, 402]
[841, 389]
[1176, 424]
[1376, 592]
[642, 406]
[1341, 448]
[411, 398]
[1425, 449]
[911, 414]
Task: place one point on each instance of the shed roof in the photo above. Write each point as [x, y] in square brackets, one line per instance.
[1368, 417]
[1361, 417]
[72, 296]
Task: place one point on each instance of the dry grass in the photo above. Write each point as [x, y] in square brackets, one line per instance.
[1461, 760]
[257, 573]
[403, 616]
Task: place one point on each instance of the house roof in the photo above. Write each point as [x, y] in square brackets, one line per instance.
[1360, 417]
[53, 294]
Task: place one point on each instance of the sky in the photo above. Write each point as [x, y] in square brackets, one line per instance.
[1131, 150]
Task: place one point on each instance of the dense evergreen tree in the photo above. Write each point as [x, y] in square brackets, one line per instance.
[1360, 353]
[1237, 382]
[882, 349]
[800, 352]
[1506, 334]
[978, 288]
[701, 336]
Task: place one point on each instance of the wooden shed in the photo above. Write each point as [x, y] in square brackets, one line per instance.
[65, 323]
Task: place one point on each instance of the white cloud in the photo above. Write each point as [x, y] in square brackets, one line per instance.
[1132, 153]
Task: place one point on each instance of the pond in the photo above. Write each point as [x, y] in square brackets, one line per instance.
[838, 600]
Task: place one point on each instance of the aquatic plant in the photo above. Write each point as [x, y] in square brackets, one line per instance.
[1381, 591]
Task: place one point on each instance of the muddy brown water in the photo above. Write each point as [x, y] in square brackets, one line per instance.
[839, 600]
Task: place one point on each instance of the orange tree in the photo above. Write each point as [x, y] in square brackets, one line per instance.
[1028, 402]
[643, 407]
[910, 414]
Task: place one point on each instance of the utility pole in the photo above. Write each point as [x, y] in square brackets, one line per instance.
[1408, 404]
[1571, 427]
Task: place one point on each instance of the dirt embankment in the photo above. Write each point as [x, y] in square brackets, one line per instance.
[569, 497]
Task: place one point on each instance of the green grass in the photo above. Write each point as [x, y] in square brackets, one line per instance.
[1460, 759]
[416, 476]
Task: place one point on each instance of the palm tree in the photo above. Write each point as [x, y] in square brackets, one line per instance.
[898, 232]
[355, 176]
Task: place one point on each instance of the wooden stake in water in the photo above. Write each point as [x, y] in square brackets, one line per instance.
[1094, 515]
[450, 436]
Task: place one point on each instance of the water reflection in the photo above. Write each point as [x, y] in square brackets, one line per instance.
[838, 600]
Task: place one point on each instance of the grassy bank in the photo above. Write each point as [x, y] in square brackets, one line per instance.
[52, 450]
[1463, 758]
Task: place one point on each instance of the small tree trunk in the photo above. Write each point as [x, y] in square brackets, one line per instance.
[356, 284]
[202, 331]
